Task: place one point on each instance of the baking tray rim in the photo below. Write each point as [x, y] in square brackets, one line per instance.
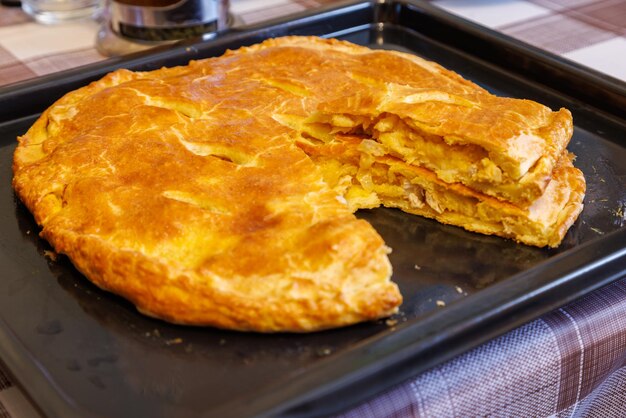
[594, 250]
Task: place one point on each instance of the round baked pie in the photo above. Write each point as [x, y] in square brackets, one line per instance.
[222, 192]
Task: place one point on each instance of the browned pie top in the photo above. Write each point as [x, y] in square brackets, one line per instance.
[185, 190]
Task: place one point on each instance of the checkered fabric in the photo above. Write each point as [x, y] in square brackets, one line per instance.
[590, 32]
[568, 363]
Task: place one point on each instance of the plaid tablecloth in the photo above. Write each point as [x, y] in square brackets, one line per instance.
[568, 363]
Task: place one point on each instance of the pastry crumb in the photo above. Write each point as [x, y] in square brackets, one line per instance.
[417, 267]
[620, 215]
[325, 351]
[174, 341]
[441, 303]
[458, 289]
[391, 322]
[50, 254]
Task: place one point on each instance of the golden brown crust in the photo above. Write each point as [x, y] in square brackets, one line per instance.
[517, 142]
[197, 220]
[206, 195]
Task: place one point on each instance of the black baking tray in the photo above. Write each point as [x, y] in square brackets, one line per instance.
[78, 351]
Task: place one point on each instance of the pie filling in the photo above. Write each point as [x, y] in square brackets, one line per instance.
[450, 159]
[358, 168]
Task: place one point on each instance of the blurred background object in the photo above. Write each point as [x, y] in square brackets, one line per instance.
[11, 3]
[59, 11]
[133, 25]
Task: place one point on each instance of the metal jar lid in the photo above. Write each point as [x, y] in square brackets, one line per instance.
[167, 20]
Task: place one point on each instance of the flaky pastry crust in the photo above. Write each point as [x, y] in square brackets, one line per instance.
[221, 193]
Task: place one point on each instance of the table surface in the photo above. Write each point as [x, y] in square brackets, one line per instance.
[570, 362]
